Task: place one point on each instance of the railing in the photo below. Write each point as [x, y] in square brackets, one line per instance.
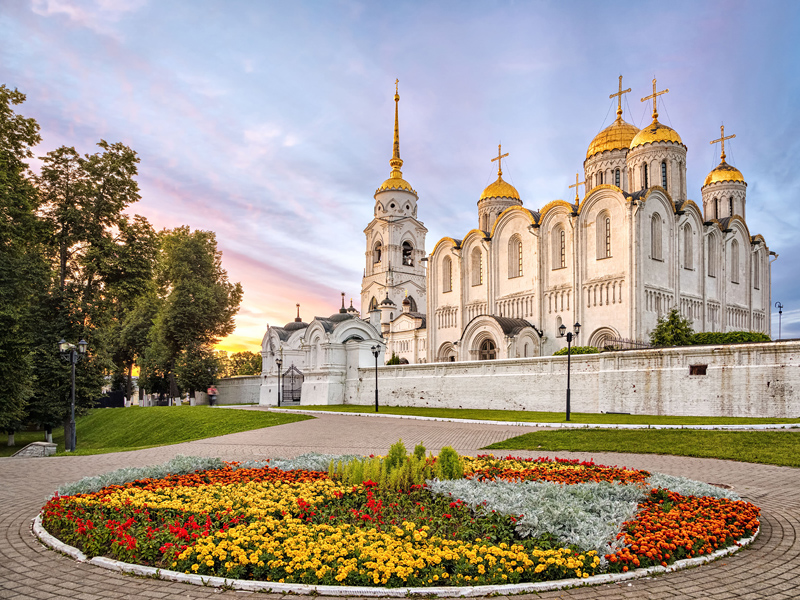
[626, 344]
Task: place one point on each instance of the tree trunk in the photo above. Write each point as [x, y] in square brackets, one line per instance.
[10, 438]
[48, 434]
[129, 385]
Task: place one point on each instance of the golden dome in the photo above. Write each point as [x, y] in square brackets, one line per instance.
[616, 136]
[500, 189]
[724, 172]
[656, 132]
[395, 183]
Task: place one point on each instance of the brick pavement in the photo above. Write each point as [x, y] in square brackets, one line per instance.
[770, 568]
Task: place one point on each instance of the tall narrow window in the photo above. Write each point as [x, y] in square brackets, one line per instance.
[716, 208]
[408, 250]
[688, 262]
[376, 252]
[712, 257]
[756, 273]
[655, 237]
[730, 207]
[559, 247]
[734, 261]
[603, 235]
[563, 246]
[644, 176]
[616, 178]
[477, 266]
[514, 257]
[664, 174]
[447, 274]
[600, 178]
[608, 237]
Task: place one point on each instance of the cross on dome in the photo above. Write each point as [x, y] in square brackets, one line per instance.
[618, 96]
[654, 96]
[577, 183]
[722, 138]
[499, 158]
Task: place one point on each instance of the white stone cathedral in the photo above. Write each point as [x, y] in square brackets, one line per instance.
[614, 261]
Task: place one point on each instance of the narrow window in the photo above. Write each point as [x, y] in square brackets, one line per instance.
[616, 178]
[756, 274]
[664, 174]
[519, 258]
[447, 274]
[413, 307]
[716, 208]
[373, 305]
[563, 249]
[655, 237]
[730, 206]
[558, 247]
[608, 237]
[644, 176]
[734, 262]
[376, 253]
[600, 178]
[687, 247]
[514, 257]
[712, 257]
[408, 249]
[477, 267]
[603, 235]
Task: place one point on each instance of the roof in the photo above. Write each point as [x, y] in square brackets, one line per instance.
[616, 136]
[500, 189]
[724, 172]
[656, 132]
[415, 315]
[511, 326]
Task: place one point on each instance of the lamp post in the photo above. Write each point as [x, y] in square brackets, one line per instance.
[72, 355]
[376, 350]
[279, 362]
[779, 306]
[569, 335]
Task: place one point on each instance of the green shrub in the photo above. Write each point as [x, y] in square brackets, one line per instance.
[394, 360]
[397, 471]
[672, 330]
[397, 455]
[419, 451]
[730, 337]
[449, 465]
[577, 350]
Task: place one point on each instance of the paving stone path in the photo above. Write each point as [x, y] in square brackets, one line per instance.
[769, 568]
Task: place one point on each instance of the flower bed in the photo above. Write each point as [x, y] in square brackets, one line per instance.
[507, 520]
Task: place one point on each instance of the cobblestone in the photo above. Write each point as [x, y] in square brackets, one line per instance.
[769, 568]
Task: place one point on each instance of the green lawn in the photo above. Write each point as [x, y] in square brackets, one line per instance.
[767, 447]
[546, 417]
[118, 429]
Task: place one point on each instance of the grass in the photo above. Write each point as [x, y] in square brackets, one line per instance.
[546, 417]
[766, 447]
[120, 429]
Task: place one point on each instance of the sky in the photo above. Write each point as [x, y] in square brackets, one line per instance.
[270, 123]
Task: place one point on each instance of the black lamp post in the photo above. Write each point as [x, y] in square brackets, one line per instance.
[279, 362]
[569, 334]
[376, 350]
[779, 306]
[72, 355]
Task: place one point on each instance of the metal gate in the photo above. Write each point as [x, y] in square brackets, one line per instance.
[292, 384]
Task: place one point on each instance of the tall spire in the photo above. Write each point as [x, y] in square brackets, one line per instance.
[396, 161]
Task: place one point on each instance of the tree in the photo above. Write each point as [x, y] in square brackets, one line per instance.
[22, 268]
[245, 363]
[196, 368]
[197, 302]
[672, 330]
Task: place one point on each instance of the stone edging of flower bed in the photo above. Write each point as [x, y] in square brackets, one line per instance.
[335, 590]
[571, 425]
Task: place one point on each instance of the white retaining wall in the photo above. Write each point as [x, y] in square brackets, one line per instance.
[742, 380]
[238, 390]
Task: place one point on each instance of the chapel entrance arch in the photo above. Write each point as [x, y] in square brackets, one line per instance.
[487, 350]
[292, 385]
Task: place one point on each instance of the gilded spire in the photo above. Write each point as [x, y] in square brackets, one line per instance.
[654, 97]
[722, 138]
[618, 96]
[396, 161]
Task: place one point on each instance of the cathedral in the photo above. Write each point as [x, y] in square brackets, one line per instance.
[614, 261]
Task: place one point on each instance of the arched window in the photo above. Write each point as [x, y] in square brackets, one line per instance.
[525, 351]
[712, 256]
[558, 324]
[600, 178]
[376, 252]
[408, 261]
[556, 252]
[476, 266]
[515, 257]
[688, 234]
[373, 304]
[716, 208]
[447, 274]
[488, 350]
[413, 307]
[664, 174]
[616, 178]
[603, 235]
[644, 176]
[756, 271]
[730, 207]
[734, 261]
[655, 237]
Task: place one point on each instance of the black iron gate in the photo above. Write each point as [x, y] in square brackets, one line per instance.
[292, 384]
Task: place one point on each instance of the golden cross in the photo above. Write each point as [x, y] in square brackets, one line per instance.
[499, 158]
[618, 96]
[577, 183]
[722, 139]
[396, 81]
[654, 96]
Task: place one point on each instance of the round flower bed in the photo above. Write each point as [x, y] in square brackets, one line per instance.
[508, 520]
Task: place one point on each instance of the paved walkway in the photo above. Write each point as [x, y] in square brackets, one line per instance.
[770, 568]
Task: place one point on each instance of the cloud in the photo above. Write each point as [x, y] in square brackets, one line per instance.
[101, 16]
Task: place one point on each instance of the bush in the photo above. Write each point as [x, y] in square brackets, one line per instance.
[394, 360]
[419, 451]
[397, 471]
[449, 465]
[577, 350]
[672, 330]
[731, 337]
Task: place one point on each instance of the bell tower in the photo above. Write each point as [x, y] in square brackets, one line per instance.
[395, 240]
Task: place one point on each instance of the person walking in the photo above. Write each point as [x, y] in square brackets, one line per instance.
[212, 395]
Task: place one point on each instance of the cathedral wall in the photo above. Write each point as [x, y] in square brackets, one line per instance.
[744, 380]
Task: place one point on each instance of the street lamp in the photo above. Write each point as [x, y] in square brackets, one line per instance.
[279, 362]
[72, 355]
[569, 335]
[376, 350]
[779, 306]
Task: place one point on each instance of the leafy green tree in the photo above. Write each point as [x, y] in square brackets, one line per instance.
[196, 368]
[672, 330]
[245, 363]
[393, 360]
[22, 268]
[576, 350]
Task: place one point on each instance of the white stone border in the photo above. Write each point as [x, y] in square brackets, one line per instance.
[754, 426]
[345, 590]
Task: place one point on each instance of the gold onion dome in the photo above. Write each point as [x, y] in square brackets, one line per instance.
[500, 189]
[724, 172]
[616, 136]
[396, 181]
[656, 132]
